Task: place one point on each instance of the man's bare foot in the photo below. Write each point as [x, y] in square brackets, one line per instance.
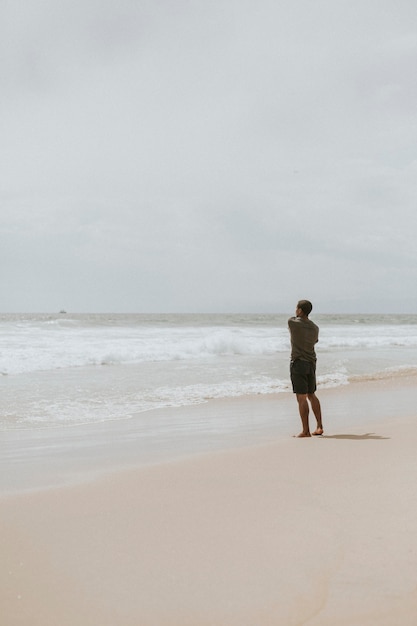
[318, 431]
[302, 435]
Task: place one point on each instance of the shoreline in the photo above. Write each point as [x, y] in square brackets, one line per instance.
[36, 459]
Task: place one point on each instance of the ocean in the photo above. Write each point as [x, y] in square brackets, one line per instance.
[70, 369]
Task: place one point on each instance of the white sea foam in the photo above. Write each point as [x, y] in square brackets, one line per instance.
[55, 344]
[54, 372]
[24, 349]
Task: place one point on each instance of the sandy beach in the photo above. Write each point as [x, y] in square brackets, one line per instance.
[318, 531]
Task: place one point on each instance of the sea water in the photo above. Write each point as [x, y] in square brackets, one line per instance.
[70, 369]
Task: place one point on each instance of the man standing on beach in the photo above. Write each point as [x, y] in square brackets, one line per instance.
[304, 335]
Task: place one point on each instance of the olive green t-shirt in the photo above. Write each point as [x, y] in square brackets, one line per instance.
[304, 335]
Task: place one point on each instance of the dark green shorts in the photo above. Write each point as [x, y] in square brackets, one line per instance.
[303, 376]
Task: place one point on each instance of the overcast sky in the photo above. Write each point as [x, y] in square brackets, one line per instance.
[208, 155]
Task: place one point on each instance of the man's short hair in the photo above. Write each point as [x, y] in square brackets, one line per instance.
[305, 306]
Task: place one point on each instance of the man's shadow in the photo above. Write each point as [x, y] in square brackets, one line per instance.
[364, 437]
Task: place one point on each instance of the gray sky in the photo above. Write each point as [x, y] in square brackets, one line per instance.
[195, 155]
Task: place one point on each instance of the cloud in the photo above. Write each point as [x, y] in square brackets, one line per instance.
[207, 156]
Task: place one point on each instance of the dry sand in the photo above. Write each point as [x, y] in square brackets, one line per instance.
[319, 532]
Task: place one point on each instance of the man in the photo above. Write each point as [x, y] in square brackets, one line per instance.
[304, 335]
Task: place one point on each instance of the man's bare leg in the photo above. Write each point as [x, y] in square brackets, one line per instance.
[315, 405]
[304, 410]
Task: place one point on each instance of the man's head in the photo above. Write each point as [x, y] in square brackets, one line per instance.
[305, 306]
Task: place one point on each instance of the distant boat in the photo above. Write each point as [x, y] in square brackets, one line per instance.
[62, 311]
